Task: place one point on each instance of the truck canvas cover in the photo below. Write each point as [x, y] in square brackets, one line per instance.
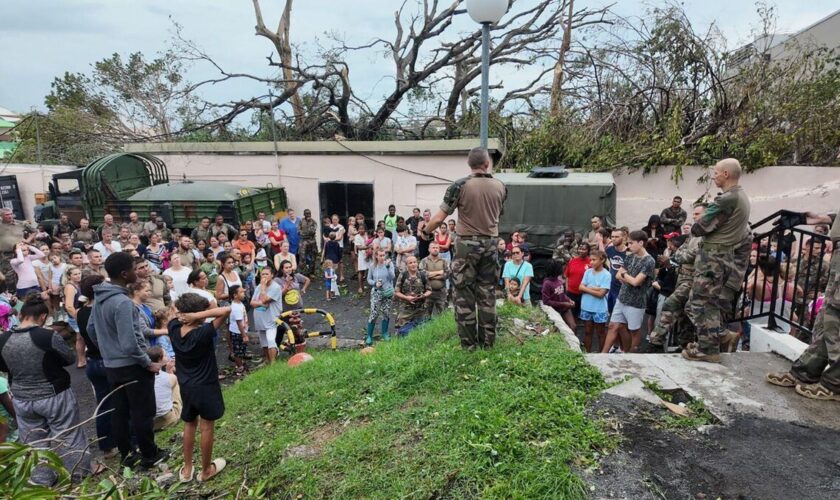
[545, 207]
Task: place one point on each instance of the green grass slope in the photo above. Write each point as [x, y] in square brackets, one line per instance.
[418, 418]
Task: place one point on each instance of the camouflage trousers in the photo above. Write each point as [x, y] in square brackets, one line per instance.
[308, 256]
[713, 271]
[436, 302]
[672, 312]
[474, 276]
[8, 272]
[823, 352]
[410, 312]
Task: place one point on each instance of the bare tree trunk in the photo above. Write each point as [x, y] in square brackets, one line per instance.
[282, 44]
[557, 83]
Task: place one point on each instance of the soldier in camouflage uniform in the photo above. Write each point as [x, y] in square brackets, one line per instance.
[11, 233]
[412, 289]
[308, 243]
[479, 200]
[816, 374]
[437, 271]
[565, 248]
[674, 307]
[724, 228]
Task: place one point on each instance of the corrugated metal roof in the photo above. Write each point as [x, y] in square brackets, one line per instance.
[573, 179]
[314, 147]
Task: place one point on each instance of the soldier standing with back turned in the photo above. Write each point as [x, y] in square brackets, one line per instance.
[479, 199]
[724, 227]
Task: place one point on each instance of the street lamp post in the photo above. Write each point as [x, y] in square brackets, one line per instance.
[486, 12]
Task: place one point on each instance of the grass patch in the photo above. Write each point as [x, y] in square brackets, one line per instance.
[420, 417]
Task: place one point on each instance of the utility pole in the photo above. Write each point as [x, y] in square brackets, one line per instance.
[274, 134]
[38, 151]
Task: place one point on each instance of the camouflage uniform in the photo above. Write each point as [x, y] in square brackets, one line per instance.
[824, 350]
[672, 219]
[412, 286]
[732, 289]
[564, 251]
[10, 235]
[674, 306]
[308, 245]
[718, 271]
[479, 200]
[436, 302]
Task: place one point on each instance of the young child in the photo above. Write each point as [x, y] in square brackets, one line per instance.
[329, 278]
[513, 291]
[57, 269]
[238, 327]
[8, 313]
[261, 260]
[167, 393]
[198, 378]
[170, 285]
[162, 317]
[594, 289]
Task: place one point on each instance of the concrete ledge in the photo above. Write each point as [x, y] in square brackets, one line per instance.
[765, 340]
[568, 334]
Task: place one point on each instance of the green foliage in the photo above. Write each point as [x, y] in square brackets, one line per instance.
[18, 461]
[418, 417]
[667, 95]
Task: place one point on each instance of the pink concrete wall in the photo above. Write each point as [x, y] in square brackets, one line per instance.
[770, 189]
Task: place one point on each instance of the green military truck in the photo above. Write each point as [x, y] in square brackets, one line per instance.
[121, 183]
[549, 200]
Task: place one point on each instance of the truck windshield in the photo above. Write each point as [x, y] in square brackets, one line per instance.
[67, 186]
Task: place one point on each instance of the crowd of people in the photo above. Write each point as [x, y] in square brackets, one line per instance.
[141, 305]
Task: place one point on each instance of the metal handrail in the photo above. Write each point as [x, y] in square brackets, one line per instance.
[806, 282]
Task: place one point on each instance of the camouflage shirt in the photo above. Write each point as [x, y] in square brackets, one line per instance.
[832, 291]
[725, 221]
[673, 218]
[685, 255]
[308, 229]
[413, 286]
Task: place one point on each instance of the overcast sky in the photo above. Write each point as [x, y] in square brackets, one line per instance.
[42, 39]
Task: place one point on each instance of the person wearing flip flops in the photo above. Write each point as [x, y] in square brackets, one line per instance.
[816, 374]
[198, 376]
[718, 267]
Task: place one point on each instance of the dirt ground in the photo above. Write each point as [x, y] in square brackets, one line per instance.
[751, 458]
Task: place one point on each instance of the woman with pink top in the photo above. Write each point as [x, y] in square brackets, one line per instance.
[23, 266]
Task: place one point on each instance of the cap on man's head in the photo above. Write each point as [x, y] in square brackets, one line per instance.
[671, 235]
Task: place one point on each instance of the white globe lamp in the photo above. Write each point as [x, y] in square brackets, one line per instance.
[487, 11]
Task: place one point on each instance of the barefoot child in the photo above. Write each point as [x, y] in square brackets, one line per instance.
[595, 287]
[198, 377]
[238, 328]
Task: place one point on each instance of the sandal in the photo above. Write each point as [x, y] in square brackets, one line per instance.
[183, 479]
[817, 391]
[693, 353]
[782, 379]
[218, 466]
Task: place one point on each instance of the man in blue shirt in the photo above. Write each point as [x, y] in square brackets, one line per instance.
[291, 225]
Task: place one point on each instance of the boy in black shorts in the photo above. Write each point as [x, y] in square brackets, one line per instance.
[198, 376]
